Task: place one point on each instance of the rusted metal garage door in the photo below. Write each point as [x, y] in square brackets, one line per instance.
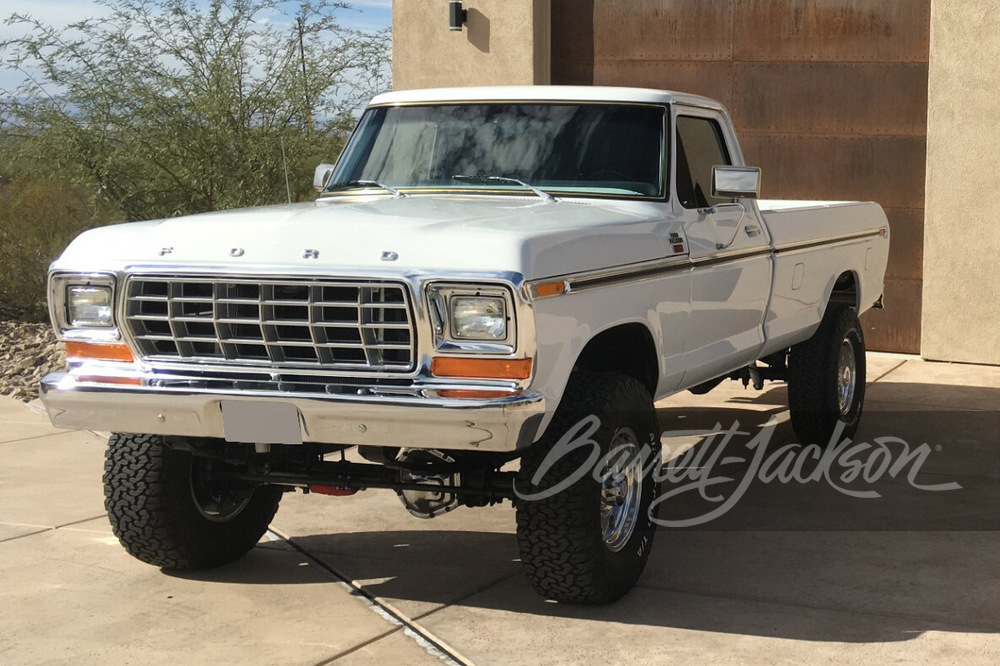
[829, 96]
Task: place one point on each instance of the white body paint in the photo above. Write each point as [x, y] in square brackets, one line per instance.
[709, 310]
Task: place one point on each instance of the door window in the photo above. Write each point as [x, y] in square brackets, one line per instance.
[700, 146]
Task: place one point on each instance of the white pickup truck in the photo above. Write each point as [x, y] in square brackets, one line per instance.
[485, 270]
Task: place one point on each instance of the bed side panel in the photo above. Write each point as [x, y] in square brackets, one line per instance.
[814, 246]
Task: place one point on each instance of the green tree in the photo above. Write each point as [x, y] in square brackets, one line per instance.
[166, 107]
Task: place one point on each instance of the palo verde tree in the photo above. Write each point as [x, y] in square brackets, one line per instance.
[165, 107]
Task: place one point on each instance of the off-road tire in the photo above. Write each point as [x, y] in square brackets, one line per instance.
[813, 375]
[563, 550]
[148, 496]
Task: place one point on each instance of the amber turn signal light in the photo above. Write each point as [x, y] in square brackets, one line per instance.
[470, 394]
[99, 352]
[107, 379]
[481, 368]
[546, 289]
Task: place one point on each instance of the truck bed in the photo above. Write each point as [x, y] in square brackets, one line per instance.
[817, 243]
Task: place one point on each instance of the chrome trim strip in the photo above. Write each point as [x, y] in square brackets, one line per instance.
[287, 384]
[649, 269]
[832, 240]
[732, 255]
[628, 273]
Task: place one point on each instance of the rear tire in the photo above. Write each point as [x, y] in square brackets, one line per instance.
[166, 512]
[589, 542]
[826, 379]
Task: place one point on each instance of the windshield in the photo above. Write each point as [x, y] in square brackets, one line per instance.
[579, 149]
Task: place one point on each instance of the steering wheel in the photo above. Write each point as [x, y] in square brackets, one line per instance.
[615, 175]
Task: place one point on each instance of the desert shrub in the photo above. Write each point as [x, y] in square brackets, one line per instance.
[38, 218]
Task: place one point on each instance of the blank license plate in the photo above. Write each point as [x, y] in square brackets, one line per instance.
[265, 422]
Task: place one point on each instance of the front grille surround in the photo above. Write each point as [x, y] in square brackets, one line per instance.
[350, 325]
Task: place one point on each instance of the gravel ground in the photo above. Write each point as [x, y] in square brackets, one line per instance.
[27, 353]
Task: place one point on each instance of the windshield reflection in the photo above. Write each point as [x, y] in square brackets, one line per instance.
[583, 149]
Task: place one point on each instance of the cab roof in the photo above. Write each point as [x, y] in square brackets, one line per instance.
[542, 94]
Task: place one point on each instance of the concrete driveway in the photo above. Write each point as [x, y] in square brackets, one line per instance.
[357, 580]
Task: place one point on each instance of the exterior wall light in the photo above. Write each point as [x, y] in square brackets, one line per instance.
[456, 15]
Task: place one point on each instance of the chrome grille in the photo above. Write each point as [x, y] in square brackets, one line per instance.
[332, 324]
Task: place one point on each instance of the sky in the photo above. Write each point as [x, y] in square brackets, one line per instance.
[368, 15]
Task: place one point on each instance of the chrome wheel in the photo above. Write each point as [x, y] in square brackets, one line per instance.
[621, 490]
[847, 377]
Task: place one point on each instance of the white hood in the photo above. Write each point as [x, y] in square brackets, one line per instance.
[429, 234]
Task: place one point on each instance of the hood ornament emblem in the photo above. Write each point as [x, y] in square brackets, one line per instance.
[236, 252]
[310, 254]
[389, 255]
[166, 251]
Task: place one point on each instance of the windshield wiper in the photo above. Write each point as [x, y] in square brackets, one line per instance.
[367, 183]
[506, 179]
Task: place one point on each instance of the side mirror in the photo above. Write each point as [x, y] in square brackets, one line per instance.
[731, 182]
[322, 176]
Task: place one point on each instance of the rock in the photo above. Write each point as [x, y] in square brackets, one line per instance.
[27, 353]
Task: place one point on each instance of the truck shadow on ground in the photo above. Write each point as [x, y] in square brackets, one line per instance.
[803, 561]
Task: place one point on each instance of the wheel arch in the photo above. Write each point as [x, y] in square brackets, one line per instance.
[845, 290]
[628, 348]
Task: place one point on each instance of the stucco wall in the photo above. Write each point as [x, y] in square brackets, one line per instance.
[505, 42]
[961, 314]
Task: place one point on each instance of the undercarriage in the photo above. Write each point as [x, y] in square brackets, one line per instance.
[429, 483]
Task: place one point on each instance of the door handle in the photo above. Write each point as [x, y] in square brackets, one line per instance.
[752, 230]
[726, 207]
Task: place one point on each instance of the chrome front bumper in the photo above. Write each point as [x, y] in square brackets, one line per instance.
[496, 425]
